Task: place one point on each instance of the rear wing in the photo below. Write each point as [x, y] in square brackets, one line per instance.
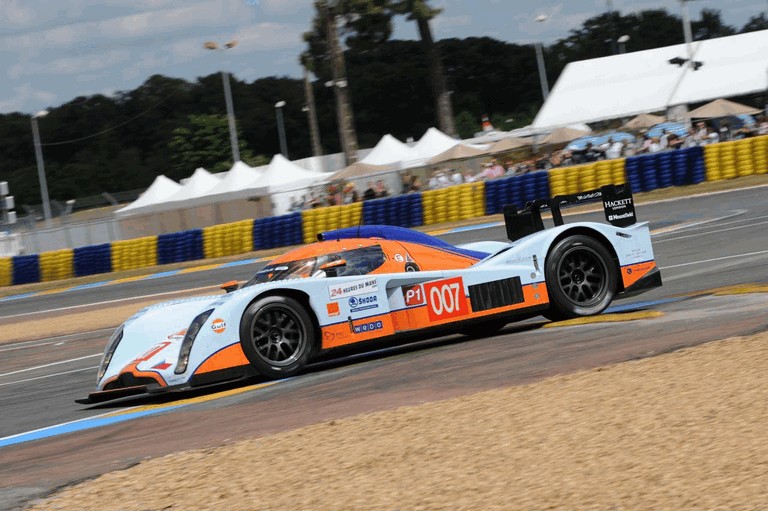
[618, 205]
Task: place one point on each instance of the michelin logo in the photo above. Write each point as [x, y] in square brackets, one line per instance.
[368, 327]
[363, 303]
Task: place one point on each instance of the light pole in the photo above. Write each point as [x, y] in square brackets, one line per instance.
[622, 42]
[281, 128]
[540, 61]
[687, 32]
[41, 167]
[210, 45]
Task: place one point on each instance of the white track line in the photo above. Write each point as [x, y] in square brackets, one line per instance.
[48, 376]
[707, 233]
[715, 259]
[51, 364]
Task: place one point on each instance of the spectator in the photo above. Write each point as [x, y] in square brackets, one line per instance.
[438, 180]
[381, 190]
[762, 126]
[456, 177]
[675, 142]
[655, 145]
[615, 150]
[350, 193]
[406, 182]
[492, 170]
[469, 177]
[664, 139]
[700, 135]
[370, 192]
[415, 184]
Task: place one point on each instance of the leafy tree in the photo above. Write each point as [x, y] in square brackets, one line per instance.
[755, 23]
[710, 25]
[203, 142]
[467, 124]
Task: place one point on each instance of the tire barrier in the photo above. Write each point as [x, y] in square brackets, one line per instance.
[402, 211]
[181, 246]
[454, 203]
[93, 259]
[328, 218]
[136, 253]
[26, 269]
[228, 239]
[57, 265]
[681, 167]
[6, 271]
[518, 190]
[278, 231]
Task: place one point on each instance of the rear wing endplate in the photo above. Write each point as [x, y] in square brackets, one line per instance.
[618, 205]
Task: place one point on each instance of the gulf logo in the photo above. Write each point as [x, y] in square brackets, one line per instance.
[218, 326]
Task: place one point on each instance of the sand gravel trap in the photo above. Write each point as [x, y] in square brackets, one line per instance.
[685, 430]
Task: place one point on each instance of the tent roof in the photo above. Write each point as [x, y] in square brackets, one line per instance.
[433, 143]
[240, 177]
[644, 81]
[198, 184]
[282, 174]
[563, 135]
[643, 121]
[721, 108]
[390, 150]
[458, 152]
[507, 144]
[159, 191]
[358, 170]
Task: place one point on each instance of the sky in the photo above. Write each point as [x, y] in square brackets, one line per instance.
[53, 51]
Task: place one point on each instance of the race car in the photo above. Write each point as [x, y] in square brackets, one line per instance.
[382, 283]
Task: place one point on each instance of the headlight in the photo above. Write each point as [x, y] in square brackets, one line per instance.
[114, 341]
[189, 338]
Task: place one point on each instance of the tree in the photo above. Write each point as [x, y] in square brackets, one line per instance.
[755, 23]
[204, 142]
[710, 25]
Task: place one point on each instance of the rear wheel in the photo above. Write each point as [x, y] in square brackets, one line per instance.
[277, 336]
[581, 278]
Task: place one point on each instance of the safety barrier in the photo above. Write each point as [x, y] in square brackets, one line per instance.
[6, 271]
[136, 253]
[228, 239]
[278, 231]
[181, 246]
[57, 265]
[517, 190]
[644, 173]
[93, 259]
[26, 269]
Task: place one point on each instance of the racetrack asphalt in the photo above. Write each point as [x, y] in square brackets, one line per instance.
[701, 243]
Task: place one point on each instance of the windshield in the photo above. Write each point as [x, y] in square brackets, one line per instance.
[359, 261]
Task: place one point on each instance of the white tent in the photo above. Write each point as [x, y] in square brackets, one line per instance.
[240, 181]
[199, 184]
[158, 192]
[633, 83]
[390, 151]
[434, 142]
[284, 181]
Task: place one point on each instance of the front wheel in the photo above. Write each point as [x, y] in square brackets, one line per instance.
[277, 336]
[581, 278]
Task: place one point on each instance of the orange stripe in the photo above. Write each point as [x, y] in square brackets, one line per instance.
[231, 356]
[631, 273]
[418, 317]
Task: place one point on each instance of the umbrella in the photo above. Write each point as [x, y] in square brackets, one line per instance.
[643, 121]
[457, 152]
[508, 144]
[359, 169]
[721, 108]
[562, 136]
[596, 140]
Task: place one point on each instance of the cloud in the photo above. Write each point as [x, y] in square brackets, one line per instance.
[23, 95]
[444, 25]
[70, 65]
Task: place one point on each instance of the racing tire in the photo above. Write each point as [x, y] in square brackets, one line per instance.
[277, 336]
[581, 278]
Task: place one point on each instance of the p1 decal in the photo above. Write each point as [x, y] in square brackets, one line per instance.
[446, 299]
[414, 295]
[219, 326]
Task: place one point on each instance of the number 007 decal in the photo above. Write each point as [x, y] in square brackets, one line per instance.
[446, 299]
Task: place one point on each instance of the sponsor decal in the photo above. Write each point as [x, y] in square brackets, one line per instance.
[399, 258]
[331, 336]
[446, 299]
[353, 288]
[178, 335]
[333, 309]
[219, 326]
[587, 196]
[363, 303]
[629, 271]
[162, 365]
[367, 327]
[619, 209]
[152, 352]
[413, 295]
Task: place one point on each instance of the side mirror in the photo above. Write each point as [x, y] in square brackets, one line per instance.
[331, 268]
[230, 286]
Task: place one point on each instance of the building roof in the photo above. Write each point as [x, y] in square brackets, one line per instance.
[633, 83]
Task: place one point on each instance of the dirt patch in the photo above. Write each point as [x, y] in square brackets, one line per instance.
[684, 430]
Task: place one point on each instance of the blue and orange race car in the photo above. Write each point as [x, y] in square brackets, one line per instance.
[382, 283]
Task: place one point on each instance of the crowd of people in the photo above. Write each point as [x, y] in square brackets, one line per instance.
[703, 133]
